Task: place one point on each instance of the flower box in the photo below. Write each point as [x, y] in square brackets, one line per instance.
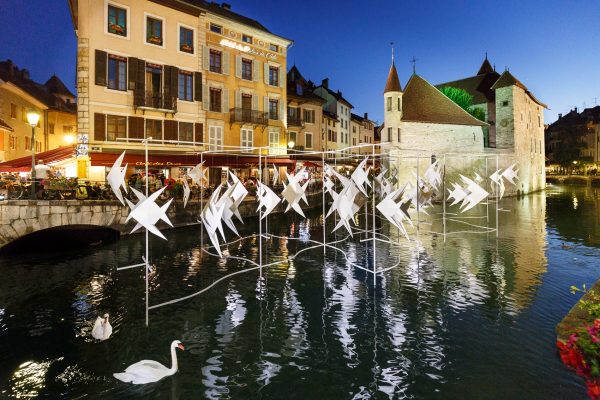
[155, 40]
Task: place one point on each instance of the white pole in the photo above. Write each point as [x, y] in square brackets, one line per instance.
[373, 223]
[201, 199]
[497, 198]
[147, 249]
[260, 219]
[324, 218]
[418, 208]
[444, 198]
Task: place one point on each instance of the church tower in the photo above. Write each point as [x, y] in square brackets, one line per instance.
[392, 97]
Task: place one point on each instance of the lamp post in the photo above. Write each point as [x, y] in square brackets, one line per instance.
[33, 118]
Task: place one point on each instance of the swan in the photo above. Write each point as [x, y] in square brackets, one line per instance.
[102, 329]
[148, 371]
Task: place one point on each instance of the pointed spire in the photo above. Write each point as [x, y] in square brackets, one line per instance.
[393, 83]
[486, 67]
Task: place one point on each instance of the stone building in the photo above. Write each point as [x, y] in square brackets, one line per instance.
[421, 118]
[337, 105]
[19, 94]
[194, 75]
[362, 133]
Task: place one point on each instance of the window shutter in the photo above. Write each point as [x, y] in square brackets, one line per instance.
[99, 127]
[281, 78]
[255, 102]
[205, 98]
[238, 99]
[255, 70]
[170, 129]
[199, 133]
[225, 99]
[282, 110]
[170, 86]
[205, 57]
[225, 69]
[198, 86]
[136, 127]
[238, 66]
[266, 73]
[132, 72]
[172, 101]
[100, 67]
[266, 104]
[140, 84]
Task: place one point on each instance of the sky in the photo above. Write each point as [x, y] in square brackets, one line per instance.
[551, 46]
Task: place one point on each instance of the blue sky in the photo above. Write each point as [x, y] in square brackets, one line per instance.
[552, 46]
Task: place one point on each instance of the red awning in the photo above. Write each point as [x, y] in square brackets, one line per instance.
[49, 157]
[188, 160]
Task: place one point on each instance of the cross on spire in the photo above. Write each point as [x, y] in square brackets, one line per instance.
[414, 63]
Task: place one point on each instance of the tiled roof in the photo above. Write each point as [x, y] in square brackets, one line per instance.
[479, 86]
[507, 79]
[295, 79]
[337, 95]
[422, 102]
[486, 68]
[393, 83]
[330, 115]
[56, 86]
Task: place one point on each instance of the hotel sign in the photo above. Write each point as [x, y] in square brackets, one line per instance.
[247, 49]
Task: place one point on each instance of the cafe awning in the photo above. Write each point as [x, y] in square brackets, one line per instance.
[190, 160]
[49, 157]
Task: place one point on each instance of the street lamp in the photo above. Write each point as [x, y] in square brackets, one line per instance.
[291, 144]
[33, 118]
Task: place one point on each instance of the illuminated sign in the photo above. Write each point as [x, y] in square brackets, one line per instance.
[157, 163]
[246, 49]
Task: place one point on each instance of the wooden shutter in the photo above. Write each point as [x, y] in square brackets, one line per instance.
[266, 73]
[255, 102]
[225, 99]
[139, 90]
[205, 98]
[198, 86]
[266, 104]
[170, 129]
[225, 61]
[205, 57]
[282, 77]
[238, 99]
[100, 65]
[281, 110]
[132, 70]
[238, 66]
[170, 86]
[136, 127]
[199, 133]
[99, 127]
[255, 70]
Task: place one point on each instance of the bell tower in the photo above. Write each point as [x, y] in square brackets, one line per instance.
[392, 103]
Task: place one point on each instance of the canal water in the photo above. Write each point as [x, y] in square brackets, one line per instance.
[464, 315]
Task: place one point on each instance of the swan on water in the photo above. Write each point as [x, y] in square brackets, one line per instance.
[148, 371]
[102, 328]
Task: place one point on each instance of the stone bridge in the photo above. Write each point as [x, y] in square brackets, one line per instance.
[20, 218]
[584, 180]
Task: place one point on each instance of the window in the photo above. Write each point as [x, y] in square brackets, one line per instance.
[505, 103]
[247, 139]
[154, 31]
[399, 106]
[246, 69]
[38, 146]
[186, 40]
[274, 76]
[215, 61]
[216, 28]
[273, 109]
[154, 128]
[13, 110]
[27, 143]
[186, 132]
[308, 140]
[185, 86]
[215, 99]
[215, 138]
[246, 39]
[153, 85]
[309, 116]
[12, 142]
[117, 73]
[389, 104]
[293, 137]
[246, 102]
[51, 129]
[354, 129]
[116, 127]
[117, 20]
[389, 134]
[274, 47]
[24, 114]
[398, 135]
[273, 139]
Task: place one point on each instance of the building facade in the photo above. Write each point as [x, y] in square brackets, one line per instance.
[336, 105]
[191, 75]
[362, 133]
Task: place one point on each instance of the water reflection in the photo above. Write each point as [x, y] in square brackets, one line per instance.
[462, 316]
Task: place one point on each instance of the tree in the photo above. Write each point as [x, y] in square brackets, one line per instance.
[464, 100]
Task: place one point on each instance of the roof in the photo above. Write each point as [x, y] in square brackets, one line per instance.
[479, 86]
[295, 79]
[330, 115]
[49, 157]
[4, 126]
[422, 102]
[393, 83]
[336, 95]
[507, 79]
[56, 86]
[486, 67]
[358, 118]
[20, 78]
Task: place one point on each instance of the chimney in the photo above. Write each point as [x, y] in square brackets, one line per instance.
[559, 116]
[575, 109]
[340, 94]
[325, 83]
[366, 116]
[226, 6]
[24, 74]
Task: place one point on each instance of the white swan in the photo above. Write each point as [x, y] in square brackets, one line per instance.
[148, 371]
[102, 329]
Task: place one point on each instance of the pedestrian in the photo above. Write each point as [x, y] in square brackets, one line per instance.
[41, 173]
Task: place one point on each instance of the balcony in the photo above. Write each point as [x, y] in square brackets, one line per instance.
[153, 100]
[295, 120]
[247, 116]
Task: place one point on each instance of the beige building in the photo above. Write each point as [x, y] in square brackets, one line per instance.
[362, 133]
[195, 76]
[52, 101]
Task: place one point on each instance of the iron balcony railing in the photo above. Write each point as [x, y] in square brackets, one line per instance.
[155, 100]
[294, 120]
[249, 116]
